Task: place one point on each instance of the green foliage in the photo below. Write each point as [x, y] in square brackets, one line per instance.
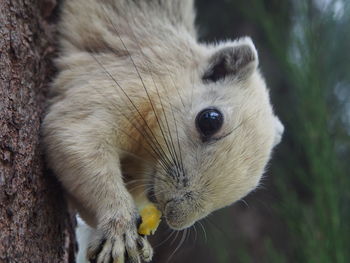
[314, 67]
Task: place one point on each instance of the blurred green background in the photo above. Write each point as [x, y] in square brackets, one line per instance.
[301, 212]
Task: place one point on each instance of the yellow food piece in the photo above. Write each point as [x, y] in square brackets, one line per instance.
[150, 220]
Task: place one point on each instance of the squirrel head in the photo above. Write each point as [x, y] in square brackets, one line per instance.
[218, 132]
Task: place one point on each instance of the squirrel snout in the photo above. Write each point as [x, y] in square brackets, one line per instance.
[179, 214]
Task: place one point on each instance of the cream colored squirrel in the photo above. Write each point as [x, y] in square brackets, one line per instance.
[141, 110]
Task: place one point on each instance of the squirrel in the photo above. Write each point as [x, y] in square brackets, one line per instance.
[141, 109]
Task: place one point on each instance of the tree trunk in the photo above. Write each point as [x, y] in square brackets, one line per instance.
[35, 225]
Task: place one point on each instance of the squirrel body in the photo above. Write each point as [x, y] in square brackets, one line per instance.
[141, 110]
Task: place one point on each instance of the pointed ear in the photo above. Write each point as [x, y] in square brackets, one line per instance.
[239, 60]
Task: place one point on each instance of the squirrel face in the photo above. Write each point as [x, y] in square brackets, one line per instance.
[221, 142]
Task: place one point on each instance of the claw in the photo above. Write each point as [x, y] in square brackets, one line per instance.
[106, 247]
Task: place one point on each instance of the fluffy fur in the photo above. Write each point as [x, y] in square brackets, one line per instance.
[121, 122]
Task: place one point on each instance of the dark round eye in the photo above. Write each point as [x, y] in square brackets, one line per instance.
[209, 121]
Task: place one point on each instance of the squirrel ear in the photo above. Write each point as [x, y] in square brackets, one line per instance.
[239, 60]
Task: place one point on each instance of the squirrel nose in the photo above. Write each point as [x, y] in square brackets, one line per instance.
[179, 214]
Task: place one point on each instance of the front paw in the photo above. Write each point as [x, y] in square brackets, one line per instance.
[108, 246]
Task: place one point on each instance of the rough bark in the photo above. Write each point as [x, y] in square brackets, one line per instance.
[34, 221]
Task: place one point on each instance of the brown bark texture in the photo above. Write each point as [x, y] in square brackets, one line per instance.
[35, 225]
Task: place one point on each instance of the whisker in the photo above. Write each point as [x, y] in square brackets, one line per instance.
[177, 233]
[195, 233]
[175, 158]
[183, 237]
[188, 234]
[154, 148]
[204, 232]
[141, 79]
[165, 138]
[138, 180]
[163, 163]
[244, 202]
[224, 233]
[138, 186]
[142, 134]
[164, 241]
[178, 143]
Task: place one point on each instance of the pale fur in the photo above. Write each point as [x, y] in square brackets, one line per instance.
[148, 49]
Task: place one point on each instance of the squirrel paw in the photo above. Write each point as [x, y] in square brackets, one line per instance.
[130, 246]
